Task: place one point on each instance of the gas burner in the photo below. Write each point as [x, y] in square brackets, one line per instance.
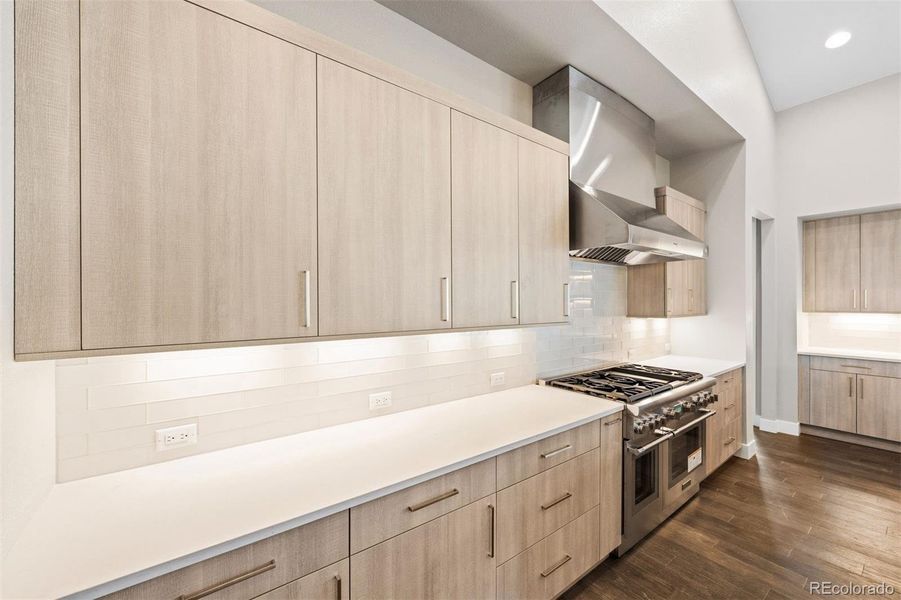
[626, 383]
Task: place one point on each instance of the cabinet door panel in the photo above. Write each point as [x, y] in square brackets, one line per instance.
[198, 173]
[879, 407]
[485, 230]
[543, 233]
[837, 264]
[833, 400]
[329, 583]
[611, 482]
[880, 261]
[384, 205]
[448, 557]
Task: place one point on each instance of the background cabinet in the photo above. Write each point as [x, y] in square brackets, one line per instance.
[185, 238]
[723, 432]
[833, 400]
[879, 407]
[853, 263]
[384, 205]
[673, 288]
[485, 224]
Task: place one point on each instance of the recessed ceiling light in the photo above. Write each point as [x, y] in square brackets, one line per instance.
[838, 39]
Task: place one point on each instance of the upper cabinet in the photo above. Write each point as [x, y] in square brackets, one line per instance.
[384, 206]
[673, 288]
[853, 264]
[198, 178]
[485, 224]
[194, 173]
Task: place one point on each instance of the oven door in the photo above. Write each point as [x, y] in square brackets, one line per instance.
[683, 465]
[642, 490]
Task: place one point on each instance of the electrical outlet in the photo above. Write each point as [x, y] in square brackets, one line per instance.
[176, 437]
[497, 379]
[379, 400]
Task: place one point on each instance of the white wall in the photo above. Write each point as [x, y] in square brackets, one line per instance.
[836, 154]
[381, 32]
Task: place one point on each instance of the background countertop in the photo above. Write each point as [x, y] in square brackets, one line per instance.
[97, 535]
[849, 353]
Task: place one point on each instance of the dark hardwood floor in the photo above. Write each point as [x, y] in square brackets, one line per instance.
[804, 509]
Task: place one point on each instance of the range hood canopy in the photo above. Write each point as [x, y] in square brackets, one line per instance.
[612, 174]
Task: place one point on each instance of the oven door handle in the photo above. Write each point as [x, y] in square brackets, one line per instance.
[644, 449]
[707, 414]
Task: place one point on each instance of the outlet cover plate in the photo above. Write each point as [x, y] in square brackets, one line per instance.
[379, 400]
[498, 379]
[176, 437]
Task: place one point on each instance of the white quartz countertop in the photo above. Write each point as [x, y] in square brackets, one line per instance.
[709, 367]
[105, 533]
[850, 353]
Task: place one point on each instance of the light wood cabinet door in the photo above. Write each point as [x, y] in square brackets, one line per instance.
[611, 483]
[486, 286]
[833, 400]
[837, 264]
[880, 261]
[198, 204]
[543, 234]
[879, 407]
[449, 557]
[384, 206]
[329, 583]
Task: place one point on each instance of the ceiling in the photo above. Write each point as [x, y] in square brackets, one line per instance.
[551, 35]
[787, 38]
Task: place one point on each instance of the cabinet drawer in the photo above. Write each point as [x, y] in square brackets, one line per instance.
[729, 440]
[531, 509]
[252, 570]
[329, 583]
[401, 511]
[519, 464]
[856, 365]
[552, 565]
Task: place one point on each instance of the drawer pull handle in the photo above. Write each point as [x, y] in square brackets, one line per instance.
[686, 484]
[566, 558]
[306, 299]
[445, 299]
[729, 441]
[337, 587]
[613, 422]
[434, 500]
[860, 387]
[514, 299]
[857, 367]
[229, 582]
[491, 526]
[850, 387]
[730, 406]
[565, 496]
[557, 451]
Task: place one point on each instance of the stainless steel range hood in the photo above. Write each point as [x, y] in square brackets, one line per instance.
[611, 172]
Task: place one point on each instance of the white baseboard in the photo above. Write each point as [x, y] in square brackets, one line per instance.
[777, 426]
[747, 451]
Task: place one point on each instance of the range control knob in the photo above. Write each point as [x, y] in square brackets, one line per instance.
[640, 427]
[659, 420]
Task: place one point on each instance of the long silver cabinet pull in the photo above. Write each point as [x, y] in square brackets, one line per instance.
[729, 441]
[445, 299]
[306, 298]
[850, 387]
[436, 499]
[514, 299]
[613, 422]
[556, 452]
[854, 298]
[566, 558]
[337, 587]
[566, 300]
[229, 582]
[491, 531]
[860, 388]
[857, 367]
[866, 298]
[553, 503]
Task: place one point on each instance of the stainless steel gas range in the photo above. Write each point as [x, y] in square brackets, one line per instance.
[663, 437]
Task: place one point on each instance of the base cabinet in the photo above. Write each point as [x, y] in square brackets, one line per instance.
[329, 583]
[879, 407]
[833, 400]
[723, 436]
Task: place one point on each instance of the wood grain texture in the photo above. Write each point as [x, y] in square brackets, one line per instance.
[803, 509]
[47, 173]
[520, 578]
[199, 153]
[646, 291]
[803, 389]
[328, 583]
[611, 460]
[444, 558]
[723, 432]
[521, 520]
[880, 262]
[674, 194]
[861, 366]
[484, 229]
[543, 233]
[879, 407]
[384, 205]
[519, 464]
[296, 553]
[833, 400]
[808, 250]
[388, 516]
[837, 265]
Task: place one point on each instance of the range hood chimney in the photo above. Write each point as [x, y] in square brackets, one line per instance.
[611, 174]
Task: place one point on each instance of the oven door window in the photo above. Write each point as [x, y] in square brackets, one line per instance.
[681, 448]
[645, 477]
